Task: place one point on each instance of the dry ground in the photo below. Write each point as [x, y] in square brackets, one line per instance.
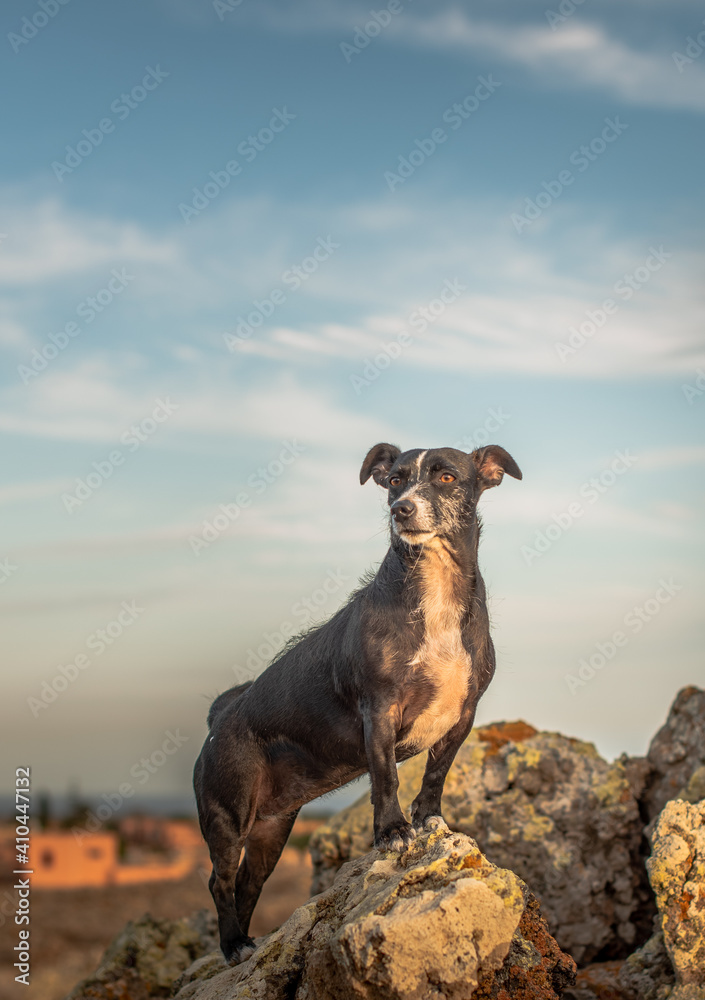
[71, 927]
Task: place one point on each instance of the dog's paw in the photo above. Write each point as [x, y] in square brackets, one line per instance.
[240, 952]
[396, 837]
[429, 823]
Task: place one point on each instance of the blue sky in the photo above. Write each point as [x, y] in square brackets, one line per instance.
[553, 189]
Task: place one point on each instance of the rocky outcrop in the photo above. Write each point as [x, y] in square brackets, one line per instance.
[677, 754]
[677, 874]
[147, 956]
[444, 920]
[437, 921]
[549, 808]
[648, 973]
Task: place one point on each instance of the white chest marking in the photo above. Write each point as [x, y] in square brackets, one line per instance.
[442, 658]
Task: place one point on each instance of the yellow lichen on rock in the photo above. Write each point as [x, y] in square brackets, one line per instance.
[677, 873]
[437, 920]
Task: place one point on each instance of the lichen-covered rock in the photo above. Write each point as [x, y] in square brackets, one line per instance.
[694, 790]
[599, 981]
[147, 956]
[549, 808]
[677, 875]
[672, 962]
[648, 973]
[437, 921]
[677, 751]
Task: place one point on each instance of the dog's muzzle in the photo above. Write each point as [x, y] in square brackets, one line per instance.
[402, 511]
[411, 522]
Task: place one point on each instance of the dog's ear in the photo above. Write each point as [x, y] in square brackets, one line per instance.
[378, 462]
[492, 462]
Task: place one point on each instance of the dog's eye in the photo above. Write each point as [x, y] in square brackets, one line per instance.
[447, 478]
[394, 480]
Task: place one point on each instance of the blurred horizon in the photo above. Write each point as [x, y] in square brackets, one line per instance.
[240, 244]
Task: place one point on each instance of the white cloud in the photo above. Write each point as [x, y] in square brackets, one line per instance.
[517, 333]
[671, 458]
[38, 490]
[13, 335]
[98, 399]
[50, 242]
[535, 508]
[520, 301]
[580, 53]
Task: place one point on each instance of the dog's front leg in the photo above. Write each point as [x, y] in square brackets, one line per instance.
[426, 807]
[392, 832]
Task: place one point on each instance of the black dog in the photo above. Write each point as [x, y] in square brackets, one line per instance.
[397, 670]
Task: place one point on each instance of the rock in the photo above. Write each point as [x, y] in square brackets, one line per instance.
[599, 981]
[439, 921]
[677, 751]
[147, 956]
[549, 808]
[648, 973]
[672, 963]
[677, 875]
[694, 790]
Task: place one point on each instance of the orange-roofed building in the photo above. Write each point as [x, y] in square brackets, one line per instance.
[61, 861]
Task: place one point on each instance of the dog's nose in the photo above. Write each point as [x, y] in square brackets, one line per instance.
[402, 510]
